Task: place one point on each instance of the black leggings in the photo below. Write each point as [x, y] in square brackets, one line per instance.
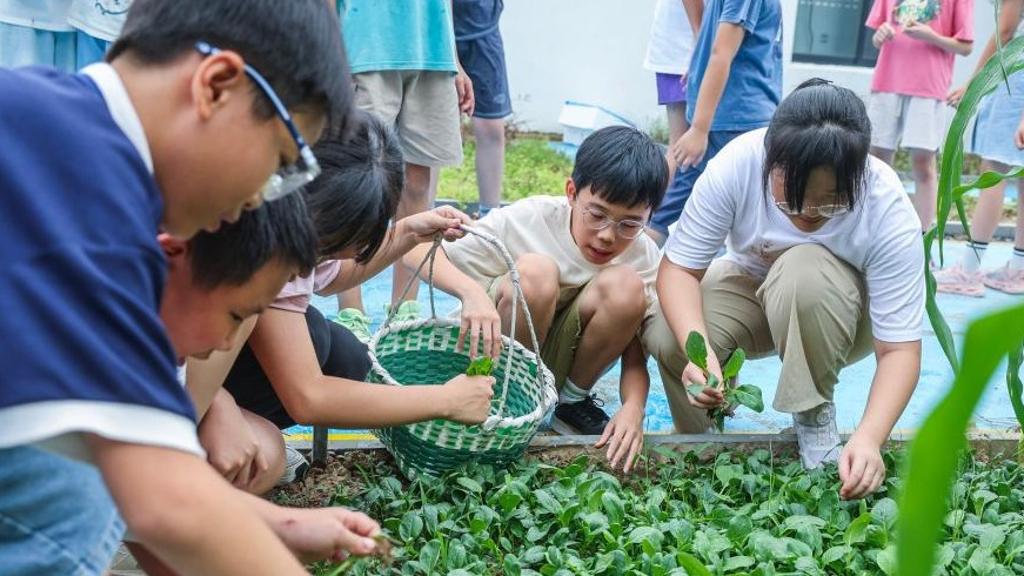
[339, 352]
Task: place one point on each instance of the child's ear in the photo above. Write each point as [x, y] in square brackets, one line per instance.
[174, 249]
[217, 77]
[570, 189]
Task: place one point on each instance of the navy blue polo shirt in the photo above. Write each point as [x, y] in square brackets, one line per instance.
[82, 347]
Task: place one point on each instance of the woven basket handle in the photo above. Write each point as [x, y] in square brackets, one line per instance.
[517, 296]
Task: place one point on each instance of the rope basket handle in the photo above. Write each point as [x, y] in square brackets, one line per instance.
[517, 295]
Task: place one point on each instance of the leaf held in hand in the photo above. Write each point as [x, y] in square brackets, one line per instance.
[696, 350]
[482, 366]
[735, 363]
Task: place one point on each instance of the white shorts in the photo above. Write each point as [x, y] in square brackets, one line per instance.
[904, 121]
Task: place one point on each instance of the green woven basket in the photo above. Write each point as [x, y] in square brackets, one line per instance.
[422, 352]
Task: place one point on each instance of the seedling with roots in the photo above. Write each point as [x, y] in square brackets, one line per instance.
[746, 395]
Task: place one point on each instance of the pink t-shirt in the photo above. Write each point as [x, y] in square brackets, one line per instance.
[295, 295]
[914, 67]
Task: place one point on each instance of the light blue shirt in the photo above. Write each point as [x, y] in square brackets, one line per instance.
[754, 87]
[398, 35]
[49, 15]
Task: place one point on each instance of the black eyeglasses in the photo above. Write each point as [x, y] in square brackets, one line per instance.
[286, 179]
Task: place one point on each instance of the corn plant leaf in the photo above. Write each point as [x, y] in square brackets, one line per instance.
[735, 363]
[1013, 382]
[1009, 60]
[991, 75]
[941, 439]
[696, 350]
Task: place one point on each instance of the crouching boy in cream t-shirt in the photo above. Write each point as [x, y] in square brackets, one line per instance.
[588, 273]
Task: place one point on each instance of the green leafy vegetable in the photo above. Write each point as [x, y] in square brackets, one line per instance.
[754, 515]
[482, 366]
[746, 395]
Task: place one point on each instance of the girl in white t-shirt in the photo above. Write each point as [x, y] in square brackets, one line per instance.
[824, 264]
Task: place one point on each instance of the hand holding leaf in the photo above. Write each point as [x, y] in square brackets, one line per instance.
[730, 395]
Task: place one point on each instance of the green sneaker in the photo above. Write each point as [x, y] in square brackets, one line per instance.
[357, 322]
[407, 311]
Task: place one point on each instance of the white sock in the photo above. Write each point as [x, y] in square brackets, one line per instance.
[1017, 260]
[973, 254]
[571, 393]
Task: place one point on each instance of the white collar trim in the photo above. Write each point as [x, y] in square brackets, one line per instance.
[121, 107]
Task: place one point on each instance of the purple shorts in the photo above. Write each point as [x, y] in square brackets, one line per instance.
[671, 88]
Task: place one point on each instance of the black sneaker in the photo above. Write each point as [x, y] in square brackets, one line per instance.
[584, 417]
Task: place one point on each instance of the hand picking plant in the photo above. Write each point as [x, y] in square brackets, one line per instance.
[482, 366]
[746, 394]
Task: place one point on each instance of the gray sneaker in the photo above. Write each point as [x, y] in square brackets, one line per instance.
[295, 466]
[817, 435]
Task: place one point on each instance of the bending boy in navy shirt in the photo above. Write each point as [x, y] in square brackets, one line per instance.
[733, 86]
[182, 130]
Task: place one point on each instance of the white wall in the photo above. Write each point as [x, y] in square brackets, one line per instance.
[593, 51]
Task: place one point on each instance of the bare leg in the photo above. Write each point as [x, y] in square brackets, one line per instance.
[1019, 238]
[539, 277]
[272, 447]
[417, 196]
[925, 185]
[611, 310]
[990, 207]
[677, 126]
[490, 159]
[883, 154]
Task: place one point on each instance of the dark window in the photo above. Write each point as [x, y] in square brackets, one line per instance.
[833, 32]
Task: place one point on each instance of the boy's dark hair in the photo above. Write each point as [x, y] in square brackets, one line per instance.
[280, 230]
[622, 165]
[357, 194]
[295, 44]
[818, 125]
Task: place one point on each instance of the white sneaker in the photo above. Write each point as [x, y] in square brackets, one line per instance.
[295, 466]
[817, 435]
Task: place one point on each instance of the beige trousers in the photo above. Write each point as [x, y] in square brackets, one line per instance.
[811, 310]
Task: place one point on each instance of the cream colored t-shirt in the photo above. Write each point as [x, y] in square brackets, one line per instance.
[540, 225]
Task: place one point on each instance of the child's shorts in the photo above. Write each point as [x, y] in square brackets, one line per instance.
[559, 349]
[56, 516]
[671, 88]
[338, 351]
[901, 121]
[998, 118]
[423, 106]
[483, 59]
[23, 46]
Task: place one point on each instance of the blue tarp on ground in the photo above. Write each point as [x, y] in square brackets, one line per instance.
[855, 381]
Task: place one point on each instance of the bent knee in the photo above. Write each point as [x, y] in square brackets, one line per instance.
[620, 290]
[539, 277]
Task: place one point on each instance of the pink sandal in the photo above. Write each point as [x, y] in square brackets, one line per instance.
[1005, 280]
[954, 280]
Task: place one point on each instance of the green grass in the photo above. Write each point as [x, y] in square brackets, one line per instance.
[735, 514]
[531, 168]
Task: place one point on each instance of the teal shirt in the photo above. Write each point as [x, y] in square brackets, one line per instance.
[398, 35]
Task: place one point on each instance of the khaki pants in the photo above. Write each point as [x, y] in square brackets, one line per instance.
[811, 310]
[423, 107]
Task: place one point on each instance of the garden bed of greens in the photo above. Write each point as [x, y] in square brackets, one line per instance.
[692, 512]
